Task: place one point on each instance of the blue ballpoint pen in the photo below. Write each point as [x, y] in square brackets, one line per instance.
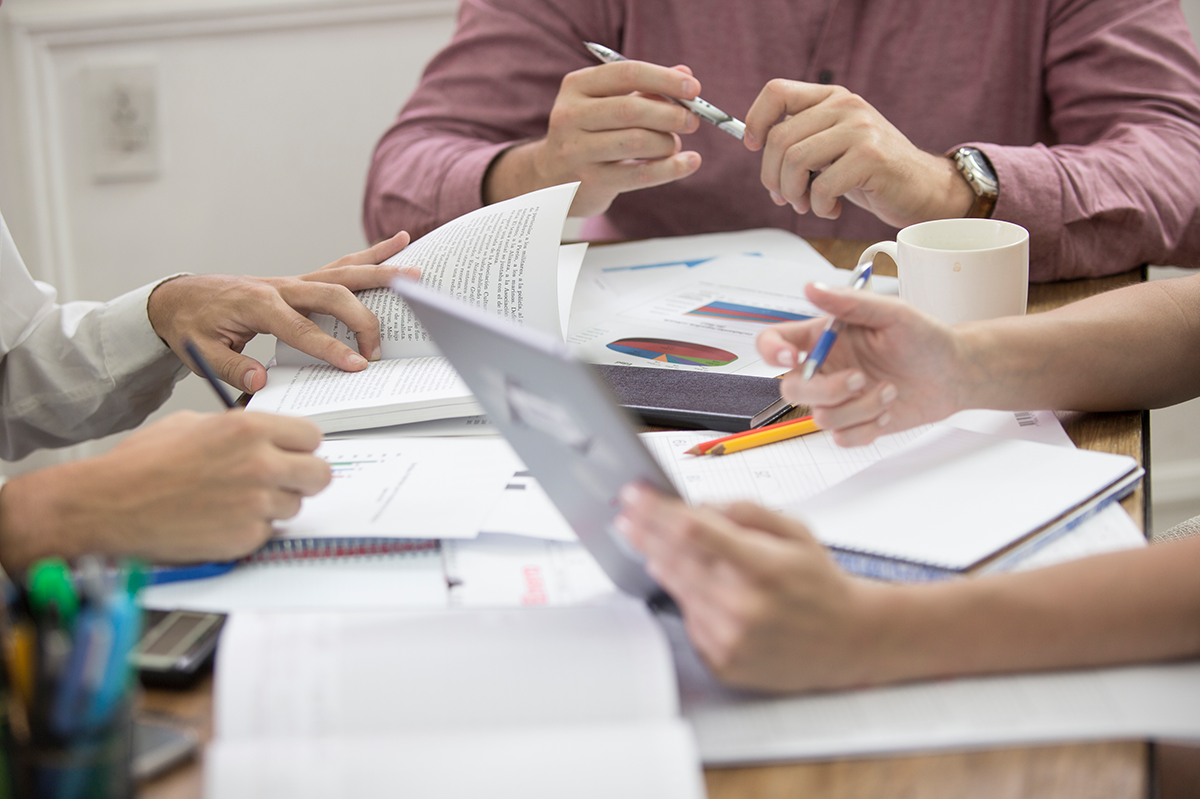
[817, 357]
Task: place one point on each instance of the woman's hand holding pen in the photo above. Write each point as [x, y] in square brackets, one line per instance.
[891, 368]
[608, 130]
[222, 313]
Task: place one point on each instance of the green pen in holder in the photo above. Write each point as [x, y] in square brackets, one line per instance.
[68, 637]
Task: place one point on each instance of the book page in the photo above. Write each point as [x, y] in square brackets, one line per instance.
[644, 760]
[327, 674]
[502, 258]
[386, 392]
[405, 488]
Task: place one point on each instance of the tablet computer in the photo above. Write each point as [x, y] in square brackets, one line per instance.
[560, 418]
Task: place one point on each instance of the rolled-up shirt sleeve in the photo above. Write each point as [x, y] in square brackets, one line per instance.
[1119, 186]
[73, 371]
[492, 87]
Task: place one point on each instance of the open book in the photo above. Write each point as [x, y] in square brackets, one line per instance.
[528, 703]
[504, 258]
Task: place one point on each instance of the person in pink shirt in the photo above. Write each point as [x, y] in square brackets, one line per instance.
[1086, 112]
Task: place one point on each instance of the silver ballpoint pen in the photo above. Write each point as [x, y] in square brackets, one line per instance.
[700, 107]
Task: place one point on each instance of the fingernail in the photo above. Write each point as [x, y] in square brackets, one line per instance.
[786, 358]
[376, 353]
[622, 523]
[856, 381]
[775, 198]
[248, 380]
[888, 395]
[750, 139]
[690, 87]
[356, 361]
[796, 208]
[883, 420]
[819, 285]
[692, 160]
[628, 494]
[801, 357]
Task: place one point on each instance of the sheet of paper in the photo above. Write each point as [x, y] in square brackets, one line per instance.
[369, 674]
[1110, 530]
[954, 497]
[654, 759]
[735, 728]
[389, 581]
[406, 488]
[509, 571]
[502, 258]
[525, 509]
[570, 261]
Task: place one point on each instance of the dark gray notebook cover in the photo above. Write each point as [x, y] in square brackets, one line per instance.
[730, 403]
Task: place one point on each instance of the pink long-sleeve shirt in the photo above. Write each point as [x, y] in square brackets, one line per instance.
[1089, 110]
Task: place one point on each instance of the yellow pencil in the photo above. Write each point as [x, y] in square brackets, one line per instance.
[799, 428]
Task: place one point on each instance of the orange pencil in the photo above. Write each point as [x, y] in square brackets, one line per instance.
[762, 437]
[704, 448]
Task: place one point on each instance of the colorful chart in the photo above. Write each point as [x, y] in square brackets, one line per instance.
[663, 349]
[747, 313]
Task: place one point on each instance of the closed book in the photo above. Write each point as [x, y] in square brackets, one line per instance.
[677, 398]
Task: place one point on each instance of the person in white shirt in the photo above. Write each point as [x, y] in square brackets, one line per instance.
[192, 486]
[767, 607]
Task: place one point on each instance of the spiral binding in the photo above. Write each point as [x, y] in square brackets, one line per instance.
[287, 550]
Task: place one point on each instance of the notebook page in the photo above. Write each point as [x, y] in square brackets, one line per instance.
[955, 497]
[653, 759]
[324, 674]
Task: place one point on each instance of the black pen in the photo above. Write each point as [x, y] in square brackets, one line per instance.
[208, 373]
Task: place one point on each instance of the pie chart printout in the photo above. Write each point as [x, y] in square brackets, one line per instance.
[669, 351]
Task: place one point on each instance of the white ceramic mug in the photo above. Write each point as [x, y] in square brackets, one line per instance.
[961, 270]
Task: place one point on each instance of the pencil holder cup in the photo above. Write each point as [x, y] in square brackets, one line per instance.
[94, 766]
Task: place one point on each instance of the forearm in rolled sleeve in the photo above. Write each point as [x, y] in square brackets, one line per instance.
[1117, 187]
[492, 87]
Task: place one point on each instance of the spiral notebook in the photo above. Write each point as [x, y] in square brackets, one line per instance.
[955, 501]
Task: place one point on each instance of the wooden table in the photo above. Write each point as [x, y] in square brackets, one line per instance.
[1116, 770]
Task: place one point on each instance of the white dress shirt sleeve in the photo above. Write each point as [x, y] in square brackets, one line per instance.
[73, 371]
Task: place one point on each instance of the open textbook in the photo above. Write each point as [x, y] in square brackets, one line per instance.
[692, 303]
[554, 702]
[505, 258]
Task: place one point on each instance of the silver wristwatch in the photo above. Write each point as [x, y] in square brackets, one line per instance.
[977, 171]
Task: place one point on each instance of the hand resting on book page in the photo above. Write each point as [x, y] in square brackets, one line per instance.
[222, 313]
[191, 487]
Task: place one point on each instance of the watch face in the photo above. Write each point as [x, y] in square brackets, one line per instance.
[979, 164]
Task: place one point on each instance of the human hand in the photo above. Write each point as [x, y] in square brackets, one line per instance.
[891, 368]
[222, 313]
[832, 143]
[762, 602]
[611, 130]
[191, 487]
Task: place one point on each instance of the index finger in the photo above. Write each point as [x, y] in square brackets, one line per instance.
[626, 77]
[779, 98]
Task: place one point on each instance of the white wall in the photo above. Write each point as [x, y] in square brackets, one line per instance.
[269, 111]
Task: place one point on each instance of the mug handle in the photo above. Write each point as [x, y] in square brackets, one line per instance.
[888, 247]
